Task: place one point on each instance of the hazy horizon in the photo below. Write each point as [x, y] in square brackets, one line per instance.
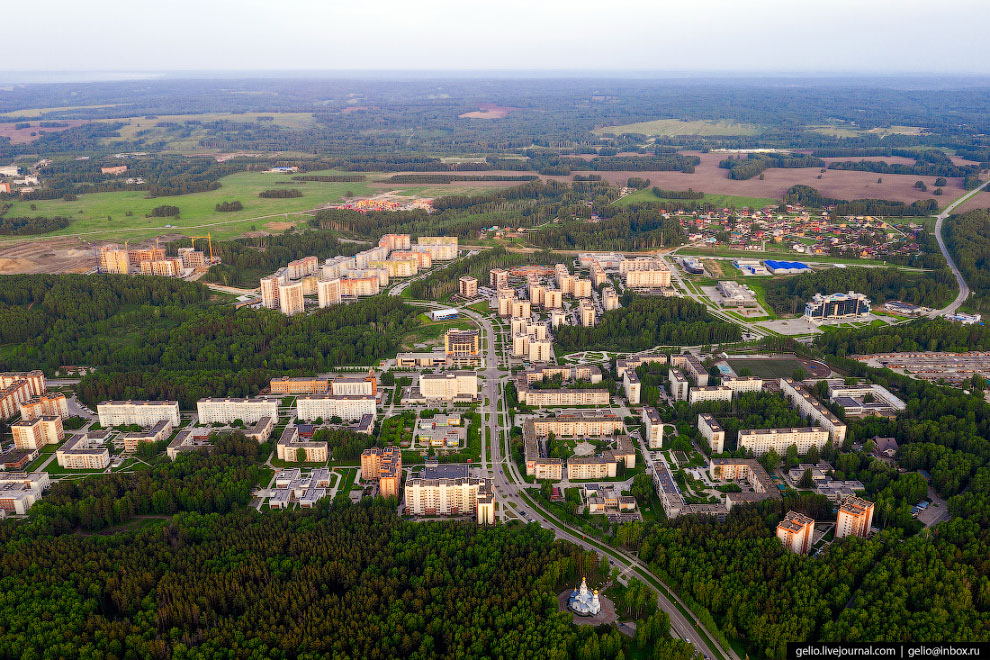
[771, 37]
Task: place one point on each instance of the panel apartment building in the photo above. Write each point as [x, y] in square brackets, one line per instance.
[796, 531]
[226, 410]
[142, 413]
[383, 464]
[448, 490]
[855, 518]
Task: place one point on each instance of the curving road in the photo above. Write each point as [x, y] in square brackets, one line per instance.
[963, 287]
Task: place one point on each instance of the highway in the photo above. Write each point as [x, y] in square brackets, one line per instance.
[496, 461]
[963, 287]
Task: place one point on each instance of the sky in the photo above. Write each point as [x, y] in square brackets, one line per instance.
[722, 36]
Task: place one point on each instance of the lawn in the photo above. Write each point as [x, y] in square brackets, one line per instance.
[721, 201]
[197, 215]
[671, 127]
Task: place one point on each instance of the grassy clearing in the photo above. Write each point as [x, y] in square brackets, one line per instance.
[671, 127]
[34, 113]
[151, 130]
[197, 214]
[722, 201]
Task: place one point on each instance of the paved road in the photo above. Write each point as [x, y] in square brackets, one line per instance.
[963, 287]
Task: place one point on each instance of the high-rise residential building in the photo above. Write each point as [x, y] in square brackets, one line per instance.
[610, 299]
[536, 292]
[227, 410]
[269, 291]
[582, 288]
[649, 279]
[38, 432]
[652, 428]
[422, 259]
[448, 490]
[51, 403]
[34, 381]
[397, 267]
[520, 308]
[141, 413]
[855, 518]
[383, 464]
[290, 298]
[328, 292]
[552, 299]
[114, 259]
[357, 287]
[709, 393]
[760, 441]
[192, 258]
[467, 286]
[395, 242]
[632, 387]
[691, 366]
[679, 385]
[796, 531]
[498, 278]
[557, 318]
[713, 432]
[586, 312]
[598, 275]
[540, 350]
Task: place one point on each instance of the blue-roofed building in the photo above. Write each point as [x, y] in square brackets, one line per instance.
[786, 267]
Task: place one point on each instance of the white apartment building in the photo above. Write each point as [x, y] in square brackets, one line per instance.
[582, 288]
[652, 428]
[709, 393]
[807, 405]
[328, 292]
[447, 490]
[84, 451]
[449, 385]
[290, 298]
[796, 531]
[679, 385]
[325, 406]
[610, 299]
[713, 432]
[760, 441]
[739, 385]
[37, 432]
[225, 411]
[142, 413]
[557, 318]
[632, 387]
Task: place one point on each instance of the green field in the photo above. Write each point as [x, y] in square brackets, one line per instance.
[151, 132]
[722, 201]
[197, 213]
[671, 127]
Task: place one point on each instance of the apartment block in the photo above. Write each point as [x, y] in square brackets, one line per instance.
[383, 464]
[142, 413]
[38, 432]
[552, 299]
[449, 386]
[156, 433]
[467, 286]
[358, 287]
[739, 385]
[290, 443]
[520, 308]
[855, 518]
[302, 267]
[397, 267]
[189, 440]
[590, 467]
[448, 490]
[598, 275]
[20, 490]
[633, 362]
[328, 292]
[632, 387]
[52, 403]
[441, 248]
[364, 384]
[593, 423]
[760, 441]
[325, 406]
[713, 432]
[652, 428]
[709, 393]
[365, 257]
[395, 242]
[564, 397]
[498, 278]
[679, 385]
[33, 380]
[262, 430]
[691, 365]
[269, 291]
[748, 470]
[226, 410]
[288, 385]
[796, 531]
[85, 451]
[610, 299]
[557, 318]
[648, 279]
[807, 405]
[290, 298]
[586, 313]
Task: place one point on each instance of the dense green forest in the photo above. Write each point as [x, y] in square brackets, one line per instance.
[754, 164]
[810, 197]
[27, 226]
[646, 321]
[159, 338]
[642, 228]
[968, 238]
[930, 289]
[244, 261]
[921, 335]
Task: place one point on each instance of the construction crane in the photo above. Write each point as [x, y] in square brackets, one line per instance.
[209, 240]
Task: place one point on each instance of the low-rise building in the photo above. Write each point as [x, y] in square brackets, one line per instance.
[431, 360]
[288, 385]
[156, 433]
[293, 448]
[262, 430]
[622, 364]
[20, 490]
[749, 471]
[85, 451]
[449, 386]
[187, 440]
[590, 467]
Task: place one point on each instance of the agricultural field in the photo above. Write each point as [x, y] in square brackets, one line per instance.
[104, 216]
[671, 127]
[720, 201]
[33, 113]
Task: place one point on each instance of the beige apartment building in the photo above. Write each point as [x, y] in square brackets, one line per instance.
[302, 267]
[397, 267]
[691, 366]
[395, 242]
[170, 267]
[156, 433]
[633, 362]
[299, 385]
[552, 299]
[598, 275]
[586, 312]
[520, 308]
[114, 259]
[577, 424]
[52, 403]
[328, 292]
[557, 318]
[449, 385]
[679, 385]
[610, 299]
[467, 286]
[325, 406]
[142, 413]
[582, 288]
[713, 432]
[288, 446]
[226, 410]
[448, 490]
[12, 397]
[652, 428]
[383, 464]
[498, 278]
[648, 279]
[290, 298]
[34, 381]
[632, 387]
[563, 397]
[590, 467]
[423, 259]
[85, 451]
[796, 531]
[855, 518]
[760, 441]
[358, 287]
[269, 291]
[37, 432]
[807, 405]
